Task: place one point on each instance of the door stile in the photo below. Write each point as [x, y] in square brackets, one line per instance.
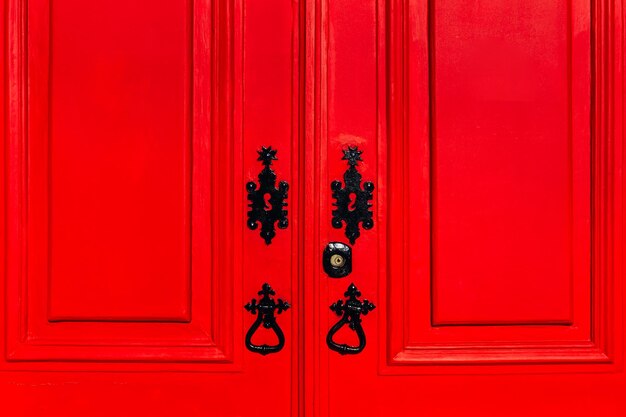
[313, 366]
[299, 206]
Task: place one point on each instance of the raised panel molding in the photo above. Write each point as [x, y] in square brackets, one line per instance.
[596, 349]
[207, 331]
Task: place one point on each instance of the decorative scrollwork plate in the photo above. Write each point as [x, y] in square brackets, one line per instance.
[351, 201]
[267, 203]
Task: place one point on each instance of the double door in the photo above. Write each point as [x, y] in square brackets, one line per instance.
[312, 208]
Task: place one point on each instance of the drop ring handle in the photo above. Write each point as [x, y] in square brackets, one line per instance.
[264, 310]
[350, 313]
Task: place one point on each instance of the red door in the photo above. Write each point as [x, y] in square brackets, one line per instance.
[127, 265]
[493, 133]
[431, 190]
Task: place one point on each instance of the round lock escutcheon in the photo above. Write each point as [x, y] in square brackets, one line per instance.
[337, 260]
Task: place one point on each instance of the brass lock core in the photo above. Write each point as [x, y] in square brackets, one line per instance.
[337, 261]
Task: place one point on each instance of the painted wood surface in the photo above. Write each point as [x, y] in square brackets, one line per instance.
[492, 131]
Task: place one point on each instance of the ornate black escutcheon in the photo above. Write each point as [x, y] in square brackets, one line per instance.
[351, 315]
[267, 203]
[352, 202]
[265, 316]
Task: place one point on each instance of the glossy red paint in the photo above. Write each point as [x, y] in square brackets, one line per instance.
[492, 130]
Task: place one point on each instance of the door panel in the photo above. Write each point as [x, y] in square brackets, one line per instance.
[103, 184]
[510, 161]
[137, 152]
[521, 243]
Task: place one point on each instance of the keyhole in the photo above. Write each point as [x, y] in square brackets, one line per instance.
[266, 200]
[352, 198]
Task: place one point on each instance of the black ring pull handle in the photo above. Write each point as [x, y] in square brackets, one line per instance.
[351, 315]
[264, 311]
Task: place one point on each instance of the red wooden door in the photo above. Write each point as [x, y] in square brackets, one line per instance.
[127, 266]
[491, 133]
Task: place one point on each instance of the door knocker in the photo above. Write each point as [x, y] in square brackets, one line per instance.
[352, 201]
[267, 203]
[351, 315]
[264, 311]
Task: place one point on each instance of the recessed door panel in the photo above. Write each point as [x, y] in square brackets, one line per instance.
[102, 177]
[119, 160]
[498, 170]
[510, 161]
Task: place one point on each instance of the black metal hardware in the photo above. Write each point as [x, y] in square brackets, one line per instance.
[337, 260]
[352, 201]
[265, 315]
[351, 315]
[260, 211]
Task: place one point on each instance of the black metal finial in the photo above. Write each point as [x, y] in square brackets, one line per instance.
[266, 290]
[267, 155]
[352, 292]
[353, 155]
